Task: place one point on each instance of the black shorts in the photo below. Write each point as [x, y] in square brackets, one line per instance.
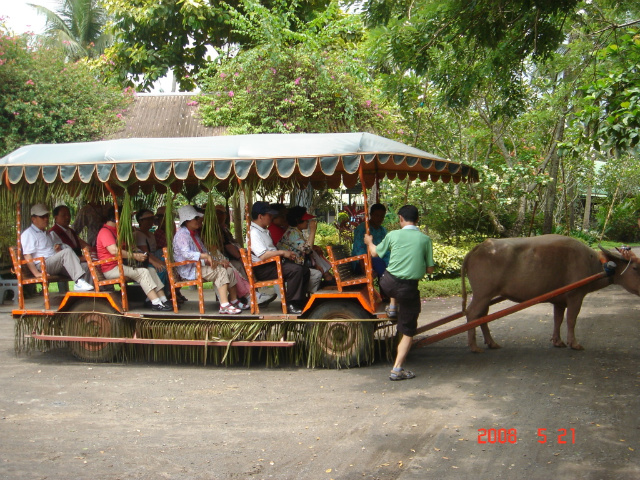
[407, 298]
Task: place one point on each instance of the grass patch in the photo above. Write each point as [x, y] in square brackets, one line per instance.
[447, 287]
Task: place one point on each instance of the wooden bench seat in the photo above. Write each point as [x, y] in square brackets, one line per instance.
[25, 277]
[342, 266]
[98, 277]
[176, 282]
[255, 283]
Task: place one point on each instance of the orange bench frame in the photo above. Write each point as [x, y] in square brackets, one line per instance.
[255, 283]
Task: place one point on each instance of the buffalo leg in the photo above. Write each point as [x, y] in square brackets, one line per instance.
[558, 317]
[573, 309]
[474, 311]
[488, 339]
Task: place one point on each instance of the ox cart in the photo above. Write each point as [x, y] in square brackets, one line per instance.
[338, 324]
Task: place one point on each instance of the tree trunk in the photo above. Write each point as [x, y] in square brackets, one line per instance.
[586, 219]
[518, 225]
[554, 164]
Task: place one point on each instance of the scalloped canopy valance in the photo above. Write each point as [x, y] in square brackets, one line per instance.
[318, 158]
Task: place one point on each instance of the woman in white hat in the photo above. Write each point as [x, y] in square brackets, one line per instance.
[187, 245]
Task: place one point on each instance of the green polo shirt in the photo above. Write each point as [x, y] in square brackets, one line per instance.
[411, 253]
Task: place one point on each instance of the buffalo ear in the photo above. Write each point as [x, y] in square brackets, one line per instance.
[612, 253]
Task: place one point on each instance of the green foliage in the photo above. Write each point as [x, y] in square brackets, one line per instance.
[302, 79]
[463, 45]
[623, 222]
[326, 234]
[153, 37]
[45, 100]
[448, 260]
[588, 237]
[610, 111]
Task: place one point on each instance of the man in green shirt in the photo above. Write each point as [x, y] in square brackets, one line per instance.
[411, 258]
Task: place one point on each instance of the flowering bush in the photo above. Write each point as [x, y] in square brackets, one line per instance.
[294, 75]
[45, 100]
[298, 90]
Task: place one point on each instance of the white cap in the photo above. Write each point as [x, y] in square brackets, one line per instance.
[39, 209]
[188, 213]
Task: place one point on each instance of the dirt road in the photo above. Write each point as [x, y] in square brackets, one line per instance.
[62, 419]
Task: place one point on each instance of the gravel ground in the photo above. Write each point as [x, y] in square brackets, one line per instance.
[62, 419]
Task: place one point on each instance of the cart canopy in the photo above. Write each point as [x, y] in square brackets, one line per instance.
[323, 159]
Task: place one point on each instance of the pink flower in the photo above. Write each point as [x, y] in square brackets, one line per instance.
[192, 103]
[71, 122]
[273, 70]
[231, 94]
[223, 75]
[118, 115]
[368, 103]
[236, 74]
[30, 82]
[297, 80]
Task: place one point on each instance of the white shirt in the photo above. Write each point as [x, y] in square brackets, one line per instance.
[261, 241]
[37, 243]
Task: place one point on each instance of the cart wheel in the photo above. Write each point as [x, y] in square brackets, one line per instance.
[341, 344]
[92, 320]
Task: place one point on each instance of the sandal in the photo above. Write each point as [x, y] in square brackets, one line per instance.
[392, 312]
[401, 374]
[240, 305]
[229, 310]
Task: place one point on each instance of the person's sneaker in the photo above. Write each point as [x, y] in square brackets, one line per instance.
[82, 285]
[229, 310]
[163, 307]
[264, 299]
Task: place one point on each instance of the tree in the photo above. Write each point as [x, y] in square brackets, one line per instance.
[609, 114]
[154, 37]
[462, 45]
[44, 99]
[78, 27]
[509, 127]
[296, 77]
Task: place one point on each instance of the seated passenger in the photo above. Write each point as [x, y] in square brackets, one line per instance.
[262, 248]
[146, 241]
[278, 224]
[92, 216]
[36, 243]
[229, 244]
[378, 232]
[62, 234]
[160, 233]
[106, 246]
[295, 241]
[187, 245]
[264, 295]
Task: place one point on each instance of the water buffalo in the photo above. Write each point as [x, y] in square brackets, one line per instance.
[523, 268]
